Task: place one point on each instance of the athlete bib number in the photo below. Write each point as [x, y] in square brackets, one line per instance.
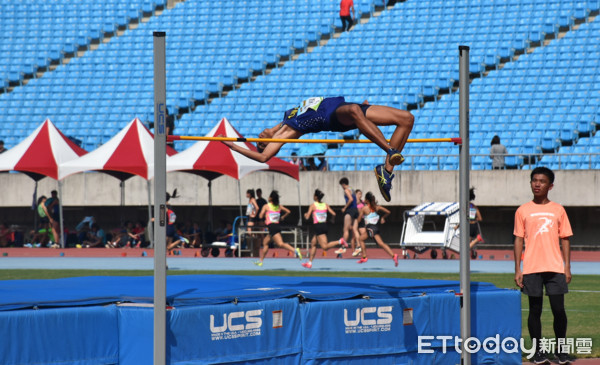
[472, 213]
[274, 217]
[372, 218]
[321, 217]
[311, 103]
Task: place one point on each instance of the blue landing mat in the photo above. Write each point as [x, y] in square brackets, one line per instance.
[210, 289]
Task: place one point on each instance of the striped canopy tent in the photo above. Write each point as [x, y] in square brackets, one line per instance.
[211, 159]
[41, 154]
[129, 153]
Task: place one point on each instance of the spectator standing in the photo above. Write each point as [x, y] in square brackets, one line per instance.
[53, 211]
[347, 19]
[497, 153]
[544, 228]
[45, 219]
[297, 161]
[323, 164]
[260, 201]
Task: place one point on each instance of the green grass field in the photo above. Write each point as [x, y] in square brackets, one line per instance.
[582, 303]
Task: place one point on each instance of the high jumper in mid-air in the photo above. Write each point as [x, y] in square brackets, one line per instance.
[319, 114]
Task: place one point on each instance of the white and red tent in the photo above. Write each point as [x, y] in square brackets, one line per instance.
[42, 153]
[211, 159]
[130, 152]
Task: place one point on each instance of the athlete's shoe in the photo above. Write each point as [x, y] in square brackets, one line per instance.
[340, 250]
[258, 263]
[357, 252]
[307, 264]
[298, 253]
[563, 358]
[384, 180]
[395, 259]
[343, 242]
[395, 157]
[540, 358]
[480, 239]
[362, 260]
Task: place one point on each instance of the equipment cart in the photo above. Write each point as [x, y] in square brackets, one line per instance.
[432, 225]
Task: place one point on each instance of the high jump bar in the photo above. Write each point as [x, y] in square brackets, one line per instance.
[455, 140]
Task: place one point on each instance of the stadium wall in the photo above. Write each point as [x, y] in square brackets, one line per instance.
[498, 193]
[574, 188]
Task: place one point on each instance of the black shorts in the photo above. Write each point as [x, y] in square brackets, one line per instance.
[361, 224]
[352, 212]
[372, 230]
[44, 220]
[170, 230]
[473, 230]
[555, 283]
[335, 124]
[274, 228]
[320, 228]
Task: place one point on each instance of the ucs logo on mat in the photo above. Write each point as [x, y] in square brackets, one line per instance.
[236, 325]
[368, 319]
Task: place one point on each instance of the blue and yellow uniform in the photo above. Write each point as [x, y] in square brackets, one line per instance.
[317, 114]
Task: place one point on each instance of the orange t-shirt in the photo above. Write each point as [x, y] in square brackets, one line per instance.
[345, 6]
[542, 226]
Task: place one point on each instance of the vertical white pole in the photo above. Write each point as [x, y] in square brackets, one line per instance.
[160, 210]
[465, 264]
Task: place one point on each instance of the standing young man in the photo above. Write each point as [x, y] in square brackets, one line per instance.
[544, 228]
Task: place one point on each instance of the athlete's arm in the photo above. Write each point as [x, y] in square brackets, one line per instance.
[254, 204]
[263, 211]
[330, 210]
[518, 252]
[361, 213]
[350, 199]
[286, 211]
[270, 150]
[566, 251]
[385, 211]
[310, 210]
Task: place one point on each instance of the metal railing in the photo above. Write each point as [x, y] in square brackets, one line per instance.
[557, 161]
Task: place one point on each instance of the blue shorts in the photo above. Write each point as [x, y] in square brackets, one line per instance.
[320, 120]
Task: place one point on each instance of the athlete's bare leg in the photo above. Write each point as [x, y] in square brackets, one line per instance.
[378, 115]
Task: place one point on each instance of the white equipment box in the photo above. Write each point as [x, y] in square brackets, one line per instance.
[420, 238]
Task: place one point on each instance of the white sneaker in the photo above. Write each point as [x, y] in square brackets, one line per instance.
[340, 250]
[357, 252]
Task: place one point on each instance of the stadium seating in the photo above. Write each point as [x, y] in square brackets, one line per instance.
[536, 90]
